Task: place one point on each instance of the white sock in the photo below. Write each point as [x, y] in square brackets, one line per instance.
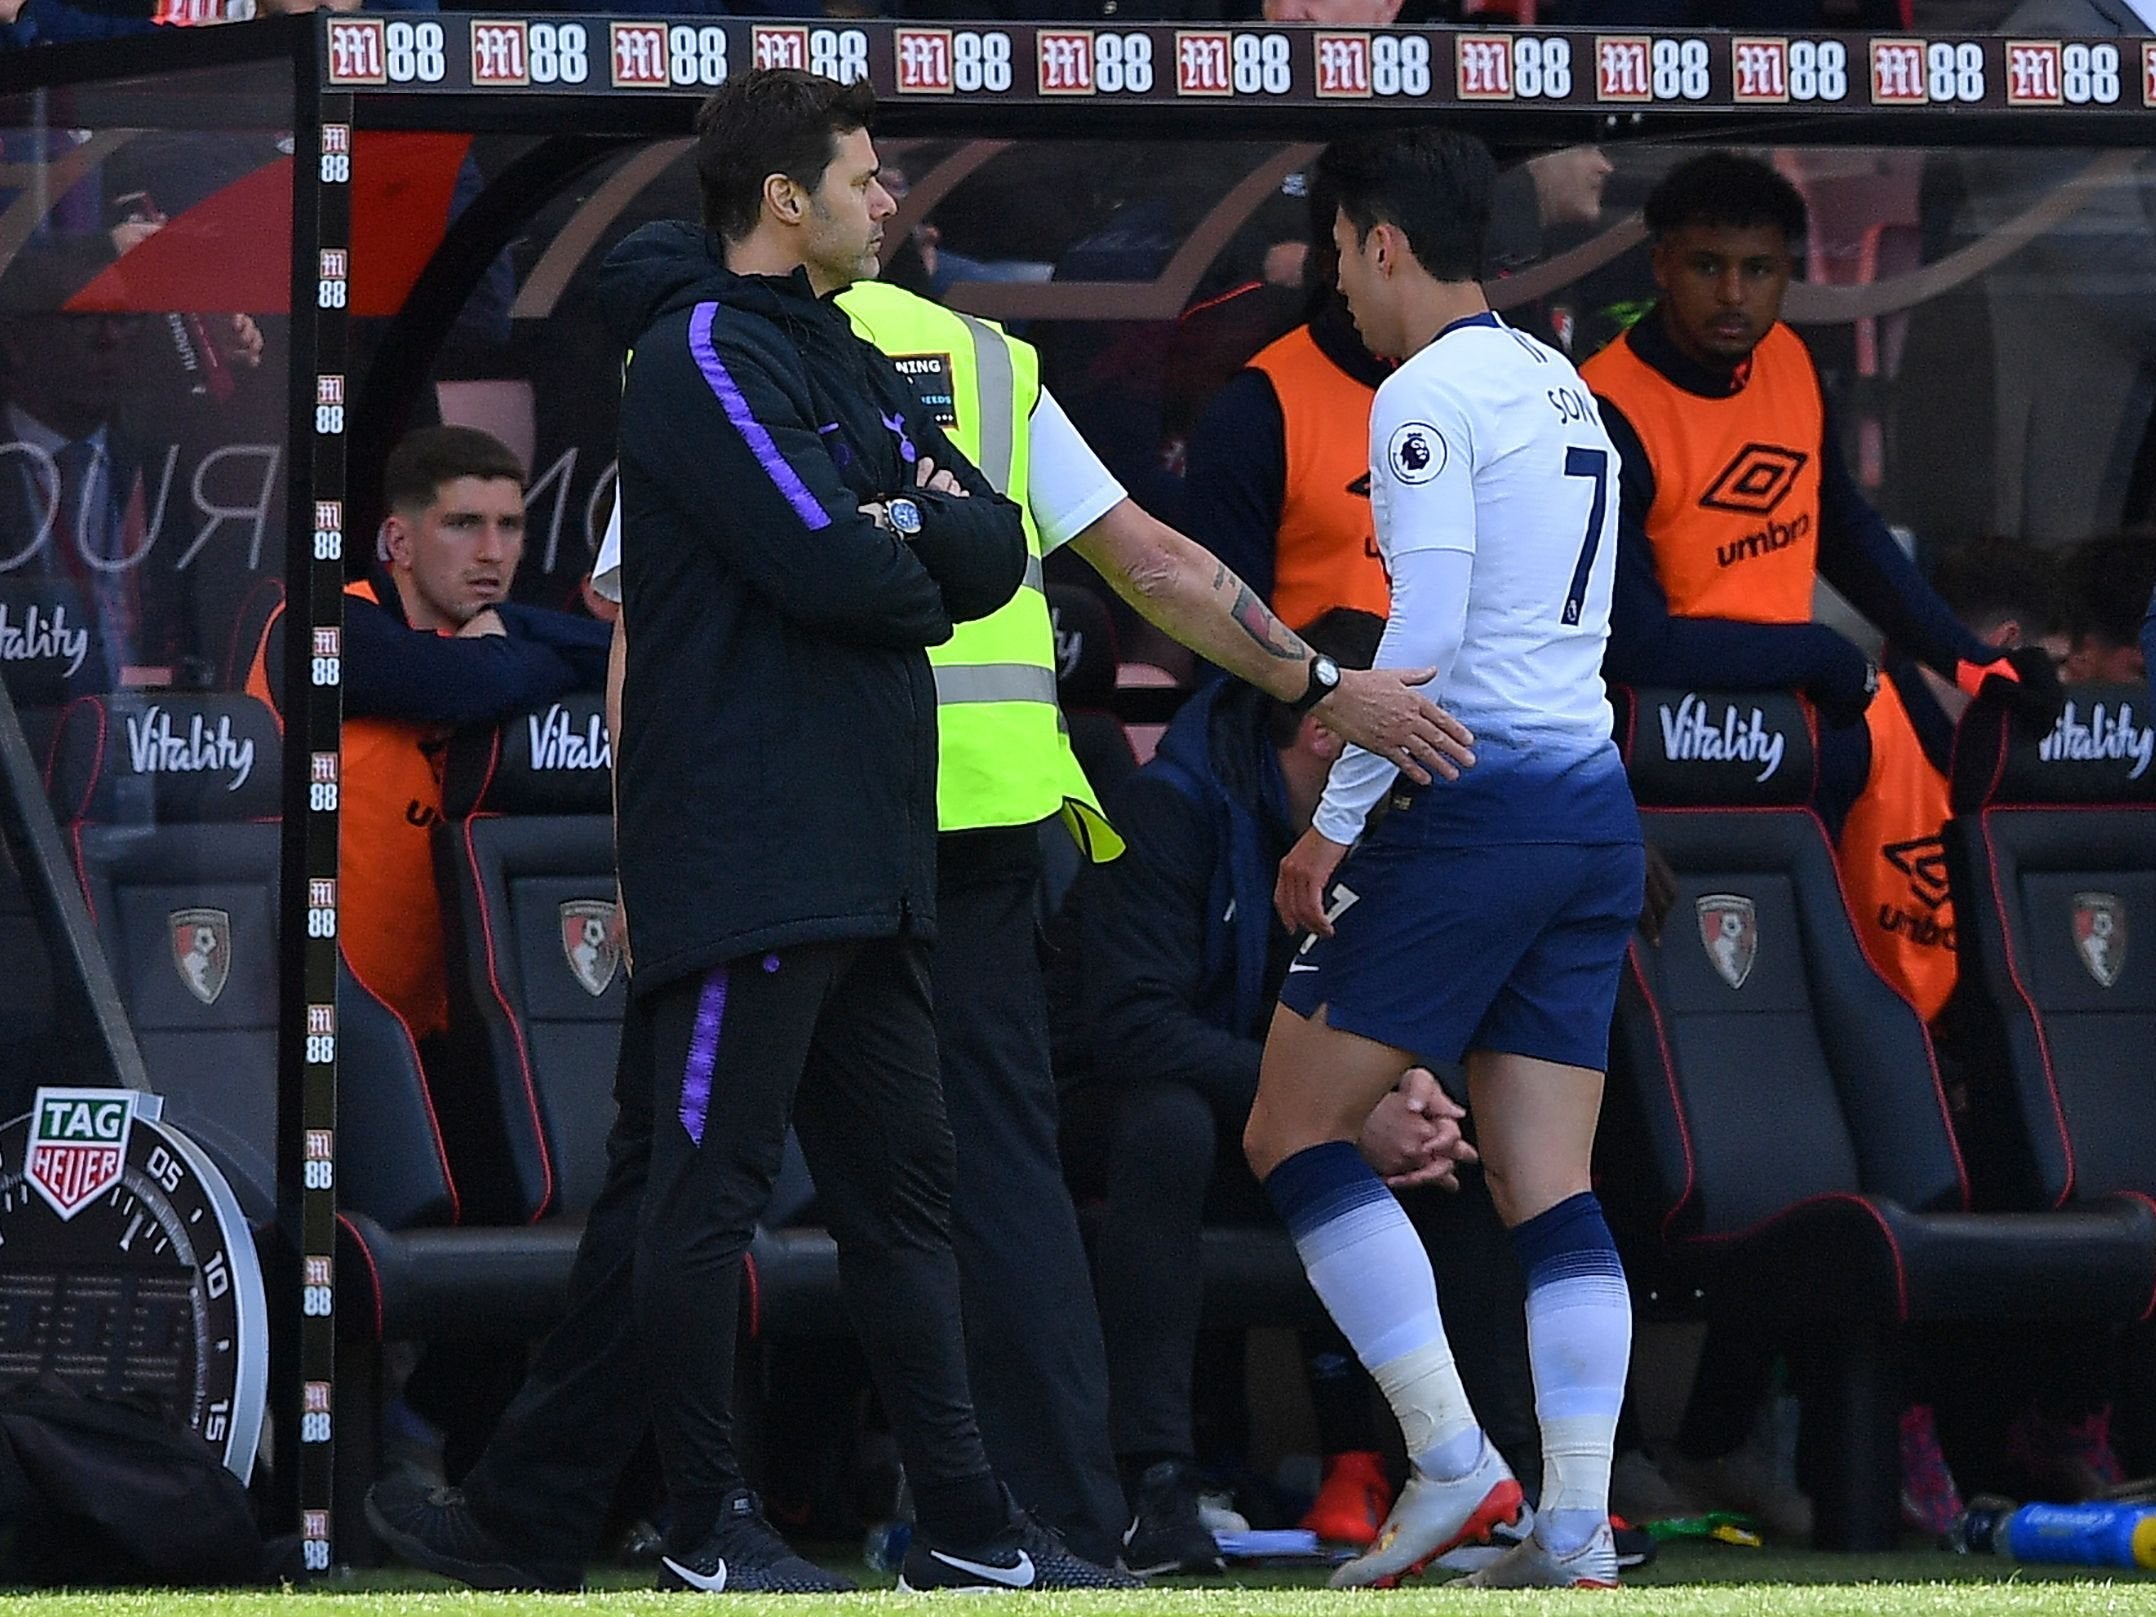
[1368, 1267]
[1579, 1341]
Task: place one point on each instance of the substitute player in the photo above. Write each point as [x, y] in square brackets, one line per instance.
[1483, 918]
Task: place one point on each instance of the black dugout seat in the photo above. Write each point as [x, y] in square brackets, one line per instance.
[1778, 1147]
[2052, 858]
[525, 861]
[170, 807]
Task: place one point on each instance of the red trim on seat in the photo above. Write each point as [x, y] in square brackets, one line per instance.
[756, 1296]
[426, 1086]
[1901, 1271]
[1931, 1049]
[1669, 1079]
[486, 781]
[96, 704]
[374, 1273]
[2028, 1000]
[516, 1026]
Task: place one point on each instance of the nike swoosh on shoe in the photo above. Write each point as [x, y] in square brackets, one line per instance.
[711, 1583]
[1011, 1577]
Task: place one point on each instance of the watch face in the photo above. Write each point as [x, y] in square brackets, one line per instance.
[905, 517]
[126, 1266]
[1326, 671]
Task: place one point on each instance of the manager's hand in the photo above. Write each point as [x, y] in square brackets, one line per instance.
[1381, 711]
[1299, 894]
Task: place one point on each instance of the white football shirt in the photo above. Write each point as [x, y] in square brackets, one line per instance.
[1494, 492]
[1067, 491]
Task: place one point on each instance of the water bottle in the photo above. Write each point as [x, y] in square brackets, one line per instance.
[884, 1549]
[2095, 1534]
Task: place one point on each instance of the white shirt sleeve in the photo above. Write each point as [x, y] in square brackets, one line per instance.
[1423, 630]
[606, 571]
[1422, 479]
[1067, 487]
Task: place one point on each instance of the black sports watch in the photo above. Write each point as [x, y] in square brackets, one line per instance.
[1324, 680]
[905, 517]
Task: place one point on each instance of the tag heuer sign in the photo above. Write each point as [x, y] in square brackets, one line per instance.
[78, 1145]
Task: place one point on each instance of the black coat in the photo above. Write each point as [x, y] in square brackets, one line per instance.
[777, 763]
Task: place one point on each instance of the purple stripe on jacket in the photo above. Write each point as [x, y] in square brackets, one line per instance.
[703, 1054]
[753, 431]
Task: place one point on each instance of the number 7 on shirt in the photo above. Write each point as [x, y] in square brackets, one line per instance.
[1594, 463]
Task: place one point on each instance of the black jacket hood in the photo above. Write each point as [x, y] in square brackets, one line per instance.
[671, 264]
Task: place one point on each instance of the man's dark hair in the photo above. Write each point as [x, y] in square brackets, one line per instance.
[2108, 581]
[1349, 637]
[770, 120]
[424, 460]
[1725, 191]
[1987, 582]
[1432, 185]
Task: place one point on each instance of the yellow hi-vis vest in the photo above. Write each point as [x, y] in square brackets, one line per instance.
[1004, 754]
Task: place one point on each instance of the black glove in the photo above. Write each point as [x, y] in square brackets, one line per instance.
[1845, 684]
[2024, 680]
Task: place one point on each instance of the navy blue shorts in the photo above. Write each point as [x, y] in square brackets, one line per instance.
[1513, 949]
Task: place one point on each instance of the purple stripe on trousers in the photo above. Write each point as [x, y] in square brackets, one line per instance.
[753, 431]
[703, 1054]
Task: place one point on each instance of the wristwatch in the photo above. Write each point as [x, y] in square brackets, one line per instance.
[1324, 680]
[905, 517]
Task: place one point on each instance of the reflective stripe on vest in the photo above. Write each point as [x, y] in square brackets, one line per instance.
[994, 682]
[1004, 755]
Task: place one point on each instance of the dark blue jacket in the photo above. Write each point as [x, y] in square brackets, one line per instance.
[1181, 953]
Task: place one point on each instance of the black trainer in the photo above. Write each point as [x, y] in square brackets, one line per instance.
[1025, 1555]
[436, 1530]
[745, 1554]
[1167, 1535]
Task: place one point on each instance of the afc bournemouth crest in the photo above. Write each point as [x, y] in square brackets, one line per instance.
[202, 951]
[2100, 935]
[78, 1145]
[1729, 931]
[587, 940]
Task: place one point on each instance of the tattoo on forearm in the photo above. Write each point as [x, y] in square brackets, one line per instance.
[1268, 631]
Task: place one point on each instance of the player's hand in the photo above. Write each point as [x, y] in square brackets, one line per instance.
[2024, 680]
[1380, 710]
[927, 476]
[1299, 894]
[1413, 1138]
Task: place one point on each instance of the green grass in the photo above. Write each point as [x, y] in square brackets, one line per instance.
[1691, 1580]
